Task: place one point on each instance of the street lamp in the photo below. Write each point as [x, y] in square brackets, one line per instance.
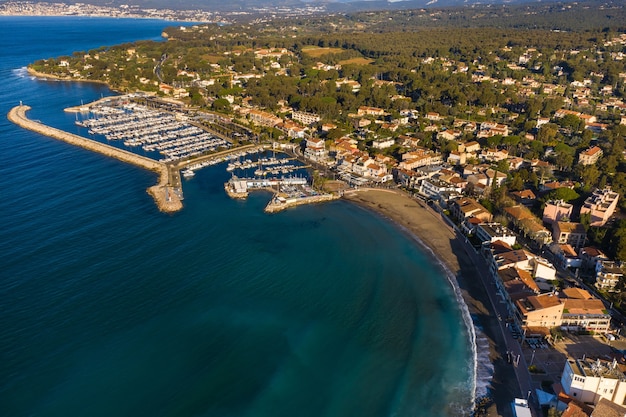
[532, 358]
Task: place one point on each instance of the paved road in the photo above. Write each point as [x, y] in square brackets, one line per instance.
[498, 306]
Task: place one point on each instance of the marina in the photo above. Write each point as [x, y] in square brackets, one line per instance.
[176, 148]
[166, 196]
[170, 137]
[288, 192]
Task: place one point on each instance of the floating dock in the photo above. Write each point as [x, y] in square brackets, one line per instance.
[166, 197]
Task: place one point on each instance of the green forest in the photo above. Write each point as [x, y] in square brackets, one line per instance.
[508, 64]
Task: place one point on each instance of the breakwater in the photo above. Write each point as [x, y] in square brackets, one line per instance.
[277, 203]
[164, 194]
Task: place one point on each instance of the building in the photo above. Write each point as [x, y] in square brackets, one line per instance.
[573, 234]
[529, 225]
[463, 208]
[383, 143]
[584, 312]
[565, 255]
[315, 149]
[370, 111]
[263, 118]
[543, 310]
[556, 211]
[606, 408]
[491, 232]
[592, 258]
[591, 380]
[590, 156]
[437, 189]
[419, 157]
[305, 118]
[600, 206]
[609, 276]
[524, 197]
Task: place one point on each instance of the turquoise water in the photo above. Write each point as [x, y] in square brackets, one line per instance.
[112, 308]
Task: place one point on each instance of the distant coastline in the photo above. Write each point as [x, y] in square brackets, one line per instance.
[45, 76]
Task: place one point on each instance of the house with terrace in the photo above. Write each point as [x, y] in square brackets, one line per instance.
[464, 208]
[609, 276]
[573, 234]
[600, 206]
[556, 211]
[315, 149]
[600, 381]
[582, 311]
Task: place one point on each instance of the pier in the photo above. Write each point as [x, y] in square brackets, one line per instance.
[166, 196]
[295, 192]
[278, 203]
[220, 156]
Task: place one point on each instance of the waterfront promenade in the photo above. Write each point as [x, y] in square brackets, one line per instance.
[163, 192]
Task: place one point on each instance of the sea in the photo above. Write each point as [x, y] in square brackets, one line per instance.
[110, 308]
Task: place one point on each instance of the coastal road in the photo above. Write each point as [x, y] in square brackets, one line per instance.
[498, 307]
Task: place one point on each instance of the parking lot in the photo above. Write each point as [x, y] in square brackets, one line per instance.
[549, 358]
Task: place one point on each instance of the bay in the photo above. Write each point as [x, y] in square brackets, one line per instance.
[112, 308]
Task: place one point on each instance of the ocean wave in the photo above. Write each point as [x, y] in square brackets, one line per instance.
[21, 72]
[481, 368]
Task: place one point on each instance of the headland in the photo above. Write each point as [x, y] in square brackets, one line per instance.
[163, 193]
[429, 229]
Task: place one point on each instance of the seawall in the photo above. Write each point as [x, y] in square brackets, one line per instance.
[167, 201]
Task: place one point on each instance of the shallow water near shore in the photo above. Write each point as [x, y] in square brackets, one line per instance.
[112, 308]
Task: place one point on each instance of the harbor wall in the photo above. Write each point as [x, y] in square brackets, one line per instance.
[166, 200]
[273, 206]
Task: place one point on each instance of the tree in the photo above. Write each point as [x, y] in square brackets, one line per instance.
[563, 193]
[547, 133]
[589, 176]
[517, 183]
[221, 105]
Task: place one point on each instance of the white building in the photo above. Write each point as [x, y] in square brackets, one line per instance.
[315, 149]
[383, 143]
[305, 118]
[491, 232]
[588, 380]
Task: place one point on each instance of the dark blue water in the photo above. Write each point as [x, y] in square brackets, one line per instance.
[111, 308]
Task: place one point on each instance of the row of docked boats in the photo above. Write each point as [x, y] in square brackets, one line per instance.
[189, 171]
[152, 130]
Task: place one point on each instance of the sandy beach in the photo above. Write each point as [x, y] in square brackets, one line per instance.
[427, 227]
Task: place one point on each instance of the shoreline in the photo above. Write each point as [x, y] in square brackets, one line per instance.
[166, 200]
[429, 230]
[50, 77]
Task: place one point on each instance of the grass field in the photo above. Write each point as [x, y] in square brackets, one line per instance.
[356, 61]
[213, 59]
[315, 51]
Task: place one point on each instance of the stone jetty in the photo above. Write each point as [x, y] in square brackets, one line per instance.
[278, 203]
[167, 200]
